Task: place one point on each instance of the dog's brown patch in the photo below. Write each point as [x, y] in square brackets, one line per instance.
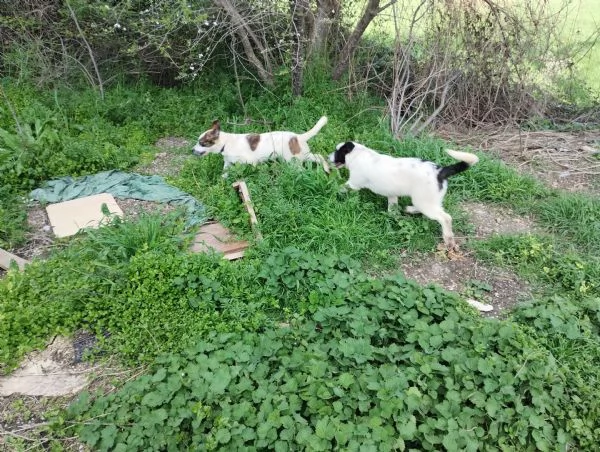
[253, 140]
[295, 146]
[209, 138]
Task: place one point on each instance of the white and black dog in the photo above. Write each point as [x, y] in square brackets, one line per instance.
[255, 148]
[425, 182]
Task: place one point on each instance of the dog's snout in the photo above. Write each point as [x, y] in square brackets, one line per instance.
[197, 150]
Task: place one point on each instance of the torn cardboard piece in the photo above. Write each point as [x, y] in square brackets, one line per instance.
[69, 217]
[49, 372]
[214, 236]
[6, 258]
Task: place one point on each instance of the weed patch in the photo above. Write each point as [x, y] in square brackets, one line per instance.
[74, 287]
[396, 367]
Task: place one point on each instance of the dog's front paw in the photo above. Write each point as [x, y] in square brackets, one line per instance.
[450, 250]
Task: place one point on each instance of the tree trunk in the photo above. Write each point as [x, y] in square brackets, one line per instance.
[327, 14]
[244, 32]
[299, 12]
[369, 14]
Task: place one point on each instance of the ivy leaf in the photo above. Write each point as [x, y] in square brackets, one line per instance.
[318, 368]
[343, 433]
[346, 380]
[154, 417]
[223, 436]
[220, 381]
[153, 399]
[108, 437]
[159, 375]
[304, 435]
[436, 341]
[407, 428]
[89, 435]
[484, 366]
[323, 393]
[491, 407]
[324, 429]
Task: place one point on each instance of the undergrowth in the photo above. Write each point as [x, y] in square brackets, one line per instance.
[376, 363]
[395, 367]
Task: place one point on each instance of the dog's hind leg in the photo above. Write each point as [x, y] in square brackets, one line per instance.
[392, 202]
[438, 214]
[412, 209]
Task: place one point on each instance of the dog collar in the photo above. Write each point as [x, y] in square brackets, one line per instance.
[222, 149]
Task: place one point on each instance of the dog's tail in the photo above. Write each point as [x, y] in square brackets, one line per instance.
[466, 160]
[312, 132]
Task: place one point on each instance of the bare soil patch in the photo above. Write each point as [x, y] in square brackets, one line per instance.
[49, 372]
[563, 160]
[490, 219]
[174, 151]
[469, 278]
[24, 417]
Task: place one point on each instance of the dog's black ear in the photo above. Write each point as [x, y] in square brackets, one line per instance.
[339, 156]
[216, 125]
[348, 146]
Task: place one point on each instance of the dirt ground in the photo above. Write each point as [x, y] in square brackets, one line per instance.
[563, 160]
[168, 162]
[46, 381]
[464, 274]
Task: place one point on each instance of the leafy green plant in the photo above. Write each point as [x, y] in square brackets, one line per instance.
[13, 218]
[478, 290]
[123, 239]
[77, 286]
[302, 280]
[570, 272]
[396, 367]
[24, 155]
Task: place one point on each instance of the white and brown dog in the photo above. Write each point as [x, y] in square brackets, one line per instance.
[425, 182]
[255, 148]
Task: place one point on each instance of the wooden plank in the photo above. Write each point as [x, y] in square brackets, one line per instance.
[6, 258]
[241, 186]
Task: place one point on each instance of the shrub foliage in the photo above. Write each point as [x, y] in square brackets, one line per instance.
[394, 367]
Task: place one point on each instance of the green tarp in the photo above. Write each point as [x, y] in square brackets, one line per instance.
[121, 185]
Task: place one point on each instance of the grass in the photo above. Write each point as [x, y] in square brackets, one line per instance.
[583, 24]
[135, 281]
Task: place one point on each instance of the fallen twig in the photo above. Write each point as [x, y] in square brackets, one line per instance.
[242, 188]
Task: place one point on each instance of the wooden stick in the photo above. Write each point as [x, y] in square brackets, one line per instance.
[241, 187]
[6, 258]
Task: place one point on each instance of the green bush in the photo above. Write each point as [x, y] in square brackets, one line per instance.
[78, 286]
[133, 281]
[396, 367]
[27, 156]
